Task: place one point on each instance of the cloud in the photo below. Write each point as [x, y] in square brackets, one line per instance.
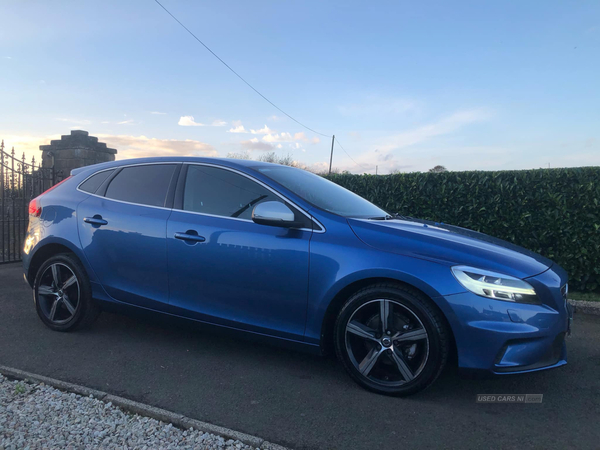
[384, 153]
[142, 146]
[188, 121]
[288, 137]
[237, 127]
[264, 130]
[75, 121]
[255, 144]
[283, 137]
[157, 112]
[126, 122]
[28, 145]
[444, 126]
[127, 146]
[300, 136]
[275, 118]
[8, 57]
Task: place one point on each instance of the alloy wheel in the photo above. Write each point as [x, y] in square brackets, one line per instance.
[387, 342]
[58, 293]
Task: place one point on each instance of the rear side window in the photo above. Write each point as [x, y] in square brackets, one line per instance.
[92, 184]
[220, 192]
[146, 185]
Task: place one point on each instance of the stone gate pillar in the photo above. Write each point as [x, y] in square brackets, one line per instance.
[75, 150]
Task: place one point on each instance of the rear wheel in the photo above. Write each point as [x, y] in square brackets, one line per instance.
[391, 339]
[63, 294]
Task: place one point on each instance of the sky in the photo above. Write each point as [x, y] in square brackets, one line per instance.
[404, 86]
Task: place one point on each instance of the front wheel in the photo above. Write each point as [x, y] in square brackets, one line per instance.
[391, 339]
[63, 294]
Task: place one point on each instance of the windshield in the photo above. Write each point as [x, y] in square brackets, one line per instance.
[323, 193]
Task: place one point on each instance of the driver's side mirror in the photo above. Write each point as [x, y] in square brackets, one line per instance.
[275, 214]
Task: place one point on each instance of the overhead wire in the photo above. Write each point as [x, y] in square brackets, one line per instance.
[250, 85]
[337, 141]
[237, 74]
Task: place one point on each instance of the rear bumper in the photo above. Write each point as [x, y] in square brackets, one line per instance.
[502, 338]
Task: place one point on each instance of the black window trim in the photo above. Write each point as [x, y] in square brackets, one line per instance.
[178, 202]
[177, 185]
[101, 191]
[99, 188]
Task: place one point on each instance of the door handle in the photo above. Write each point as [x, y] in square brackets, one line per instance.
[189, 236]
[96, 220]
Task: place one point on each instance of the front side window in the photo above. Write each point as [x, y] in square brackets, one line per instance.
[221, 192]
[146, 185]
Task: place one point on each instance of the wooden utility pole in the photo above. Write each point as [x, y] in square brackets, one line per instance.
[331, 157]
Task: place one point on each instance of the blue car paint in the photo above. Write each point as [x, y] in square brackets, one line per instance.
[243, 275]
[128, 254]
[282, 281]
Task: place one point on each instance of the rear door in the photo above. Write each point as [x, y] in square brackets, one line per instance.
[226, 269]
[122, 228]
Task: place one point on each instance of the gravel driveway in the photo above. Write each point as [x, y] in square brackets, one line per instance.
[37, 416]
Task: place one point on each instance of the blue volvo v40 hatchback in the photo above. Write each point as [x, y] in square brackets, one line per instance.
[283, 253]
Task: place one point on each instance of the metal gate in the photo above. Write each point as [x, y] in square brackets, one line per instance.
[20, 182]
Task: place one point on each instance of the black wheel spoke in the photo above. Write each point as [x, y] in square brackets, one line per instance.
[45, 290]
[55, 274]
[70, 282]
[413, 335]
[68, 304]
[53, 309]
[405, 371]
[361, 330]
[384, 314]
[369, 361]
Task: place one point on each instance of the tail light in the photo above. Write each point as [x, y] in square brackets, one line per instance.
[35, 208]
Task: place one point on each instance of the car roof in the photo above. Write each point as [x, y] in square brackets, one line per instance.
[228, 162]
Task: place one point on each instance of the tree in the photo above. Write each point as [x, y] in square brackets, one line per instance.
[243, 155]
[438, 169]
[271, 157]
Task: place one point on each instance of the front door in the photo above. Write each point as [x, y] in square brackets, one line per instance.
[226, 269]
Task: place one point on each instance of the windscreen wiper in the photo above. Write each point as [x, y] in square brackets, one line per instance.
[386, 217]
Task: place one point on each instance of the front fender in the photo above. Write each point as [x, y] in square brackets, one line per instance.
[338, 264]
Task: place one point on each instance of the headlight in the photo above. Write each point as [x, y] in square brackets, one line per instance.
[495, 285]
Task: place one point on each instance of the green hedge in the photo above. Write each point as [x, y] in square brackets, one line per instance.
[555, 212]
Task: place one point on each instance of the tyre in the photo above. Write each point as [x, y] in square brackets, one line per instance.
[63, 294]
[391, 339]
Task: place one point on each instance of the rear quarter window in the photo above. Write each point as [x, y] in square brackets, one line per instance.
[92, 184]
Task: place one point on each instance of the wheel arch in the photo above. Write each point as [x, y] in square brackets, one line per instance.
[49, 249]
[340, 298]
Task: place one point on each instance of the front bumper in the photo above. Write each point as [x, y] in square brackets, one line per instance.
[505, 337]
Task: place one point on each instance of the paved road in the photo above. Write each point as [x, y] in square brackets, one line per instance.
[300, 400]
